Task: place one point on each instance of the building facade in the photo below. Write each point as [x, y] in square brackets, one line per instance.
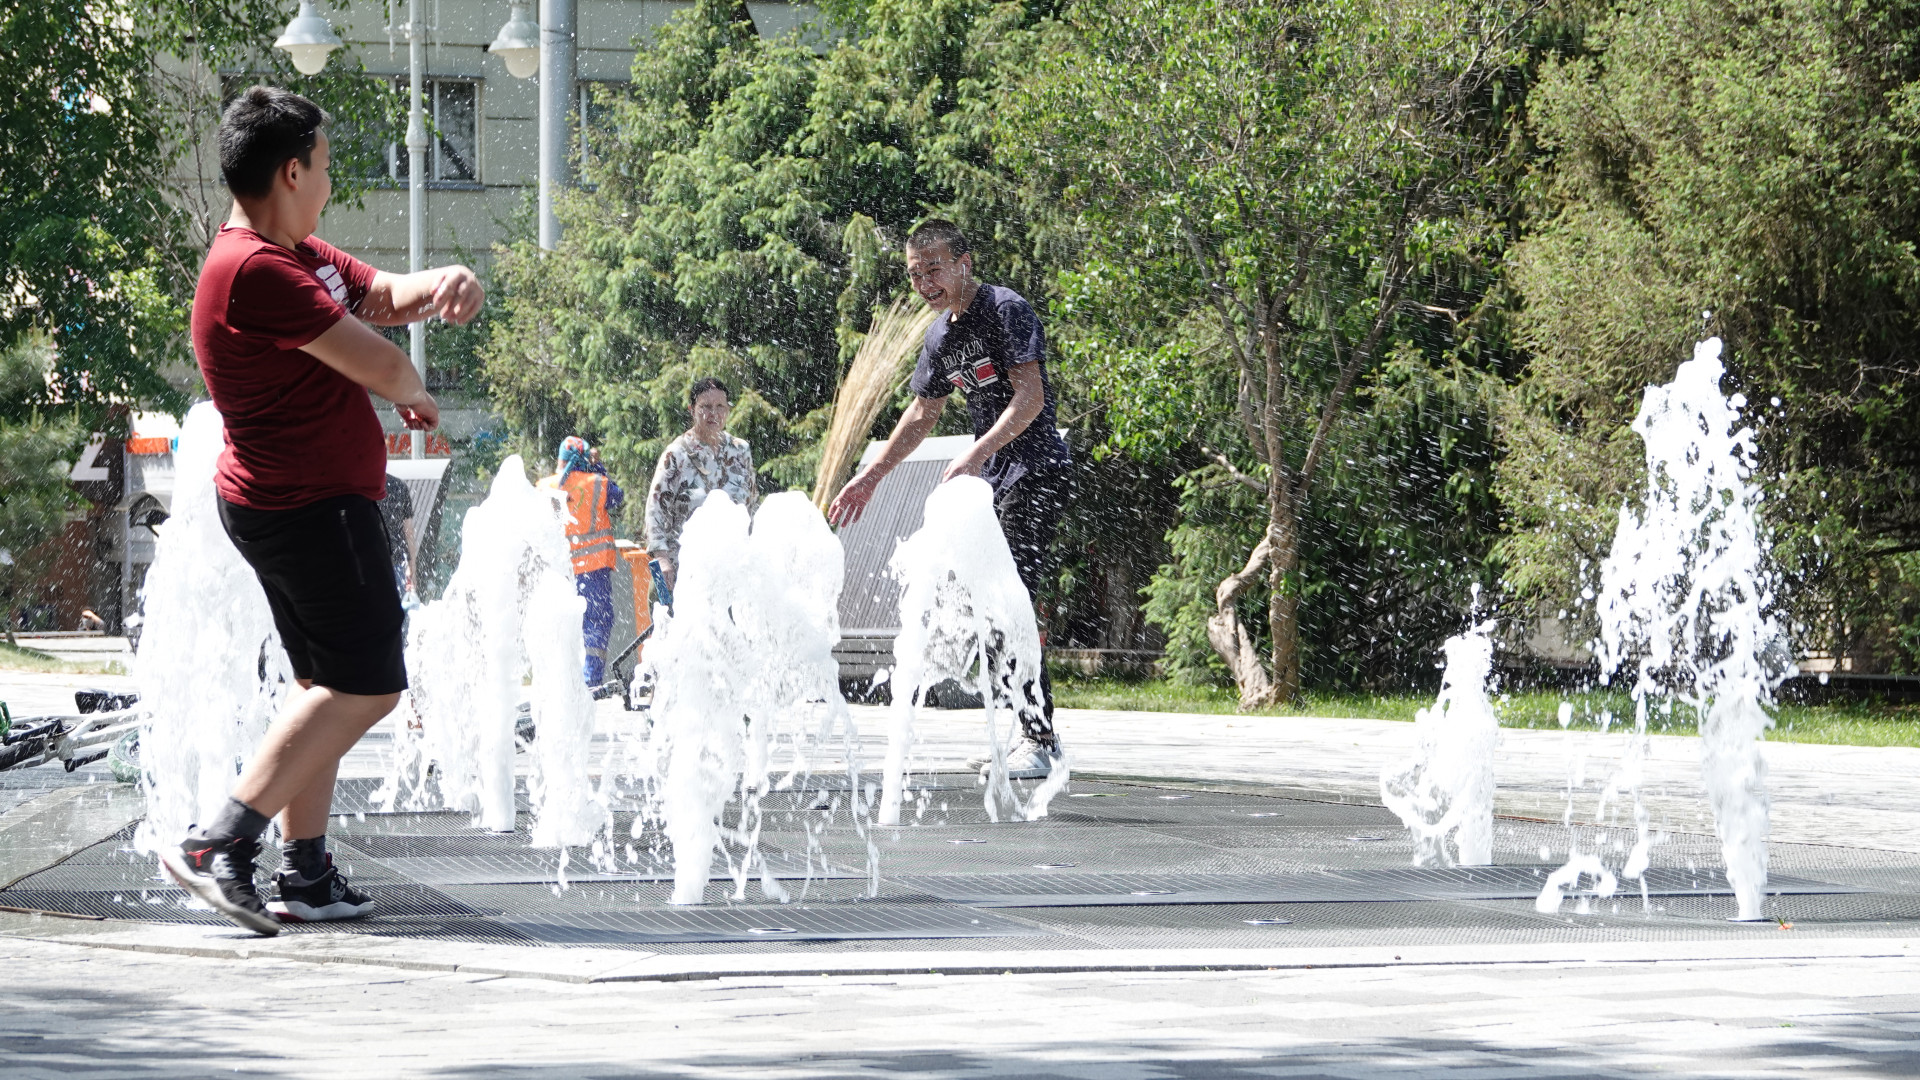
[483, 163]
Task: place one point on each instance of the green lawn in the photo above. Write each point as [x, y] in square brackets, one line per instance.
[1850, 724]
[16, 658]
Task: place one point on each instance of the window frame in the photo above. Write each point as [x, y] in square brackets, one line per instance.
[398, 154]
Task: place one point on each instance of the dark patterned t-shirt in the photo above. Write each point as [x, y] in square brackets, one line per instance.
[973, 354]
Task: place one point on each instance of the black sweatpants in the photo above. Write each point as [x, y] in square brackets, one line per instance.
[1029, 510]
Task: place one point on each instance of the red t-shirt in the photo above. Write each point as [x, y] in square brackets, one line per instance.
[297, 430]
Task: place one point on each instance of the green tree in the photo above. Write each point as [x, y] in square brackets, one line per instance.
[1744, 169]
[34, 493]
[109, 183]
[80, 196]
[741, 216]
[1278, 199]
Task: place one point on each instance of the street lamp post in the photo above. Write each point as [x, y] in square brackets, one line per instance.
[416, 192]
[556, 102]
[548, 48]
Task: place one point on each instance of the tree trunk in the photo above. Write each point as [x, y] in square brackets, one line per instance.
[1120, 603]
[1283, 600]
[1230, 637]
[11, 607]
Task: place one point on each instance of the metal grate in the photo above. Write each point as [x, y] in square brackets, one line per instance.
[870, 603]
[1348, 886]
[413, 846]
[1123, 867]
[171, 904]
[775, 923]
[353, 796]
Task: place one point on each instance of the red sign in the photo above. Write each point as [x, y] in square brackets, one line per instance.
[401, 445]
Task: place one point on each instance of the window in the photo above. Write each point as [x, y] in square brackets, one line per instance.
[453, 132]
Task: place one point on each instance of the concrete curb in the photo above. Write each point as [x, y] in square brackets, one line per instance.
[587, 966]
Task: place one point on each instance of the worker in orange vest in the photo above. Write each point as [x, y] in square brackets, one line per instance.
[592, 500]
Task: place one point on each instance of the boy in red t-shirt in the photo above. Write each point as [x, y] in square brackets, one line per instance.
[279, 333]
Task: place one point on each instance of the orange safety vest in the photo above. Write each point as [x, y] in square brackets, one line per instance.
[589, 526]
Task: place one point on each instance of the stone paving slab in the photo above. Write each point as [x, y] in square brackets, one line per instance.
[588, 965]
[96, 1013]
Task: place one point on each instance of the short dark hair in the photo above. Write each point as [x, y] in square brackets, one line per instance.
[262, 128]
[940, 231]
[701, 386]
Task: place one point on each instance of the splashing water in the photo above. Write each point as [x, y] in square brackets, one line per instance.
[745, 675]
[1446, 789]
[1685, 597]
[747, 653]
[965, 615]
[509, 611]
[211, 671]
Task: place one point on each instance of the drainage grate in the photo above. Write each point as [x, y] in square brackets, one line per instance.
[127, 870]
[1125, 866]
[93, 877]
[788, 923]
[1241, 812]
[414, 846]
[543, 901]
[354, 795]
[1346, 886]
[170, 904]
[167, 905]
[536, 865]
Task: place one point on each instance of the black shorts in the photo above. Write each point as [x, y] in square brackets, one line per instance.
[1029, 510]
[324, 568]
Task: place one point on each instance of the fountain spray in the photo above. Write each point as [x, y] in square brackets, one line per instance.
[1446, 790]
[1686, 601]
[748, 652]
[211, 671]
[509, 616]
[965, 615]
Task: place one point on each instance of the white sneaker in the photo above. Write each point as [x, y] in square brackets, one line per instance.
[1026, 760]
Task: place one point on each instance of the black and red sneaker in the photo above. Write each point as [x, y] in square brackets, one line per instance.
[220, 874]
[326, 898]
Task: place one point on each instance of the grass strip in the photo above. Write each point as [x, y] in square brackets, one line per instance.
[20, 658]
[1856, 723]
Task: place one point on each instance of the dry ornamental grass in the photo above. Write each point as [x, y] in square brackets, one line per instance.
[876, 370]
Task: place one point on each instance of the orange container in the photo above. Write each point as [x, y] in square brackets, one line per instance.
[636, 557]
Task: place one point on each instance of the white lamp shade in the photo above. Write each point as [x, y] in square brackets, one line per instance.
[521, 63]
[308, 40]
[518, 44]
[308, 59]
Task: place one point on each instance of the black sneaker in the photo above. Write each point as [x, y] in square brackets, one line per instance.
[220, 874]
[325, 899]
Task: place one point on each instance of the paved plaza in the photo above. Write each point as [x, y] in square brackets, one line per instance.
[1214, 896]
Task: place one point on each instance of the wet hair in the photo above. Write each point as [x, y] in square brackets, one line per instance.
[261, 130]
[701, 386]
[940, 231]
